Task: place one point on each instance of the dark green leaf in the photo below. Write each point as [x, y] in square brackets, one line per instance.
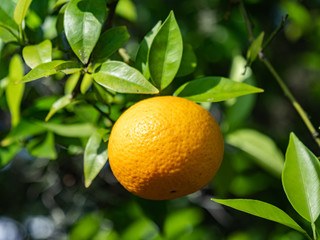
[301, 179]
[109, 42]
[69, 130]
[43, 148]
[262, 148]
[261, 209]
[95, 157]
[8, 153]
[14, 92]
[188, 62]
[120, 77]
[69, 67]
[21, 10]
[42, 70]
[34, 55]
[214, 89]
[59, 104]
[141, 62]
[254, 49]
[83, 21]
[165, 53]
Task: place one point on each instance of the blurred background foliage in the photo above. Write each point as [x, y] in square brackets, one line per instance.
[44, 197]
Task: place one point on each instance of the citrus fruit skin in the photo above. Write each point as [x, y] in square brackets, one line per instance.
[165, 147]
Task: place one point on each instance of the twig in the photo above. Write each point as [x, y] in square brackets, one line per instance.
[247, 20]
[112, 9]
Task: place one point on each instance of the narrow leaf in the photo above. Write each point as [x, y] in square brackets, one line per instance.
[120, 77]
[95, 157]
[34, 55]
[141, 62]
[43, 148]
[262, 148]
[166, 53]
[214, 89]
[188, 62]
[83, 21]
[109, 42]
[261, 209]
[254, 49]
[301, 179]
[21, 10]
[71, 83]
[14, 92]
[69, 130]
[59, 104]
[69, 67]
[42, 70]
[86, 83]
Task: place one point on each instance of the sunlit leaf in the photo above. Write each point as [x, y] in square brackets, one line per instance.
[8, 27]
[69, 67]
[254, 49]
[86, 83]
[59, 104]
[43, 148]
[120, 77]
[69, 130]
[301, 179]
[14, 92]
[21, 10]
[262, 148]
[214, 89]
[34, 55]
[127, 10]
[109, 42]
[165, 53]
[188, 61]
[83, 21]
[261, 209]
[141, 62]
[42, 70]
[95, 157]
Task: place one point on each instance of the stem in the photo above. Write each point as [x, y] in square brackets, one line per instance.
[112, 9]
[314, 231]
[293, 101]
[247, 20]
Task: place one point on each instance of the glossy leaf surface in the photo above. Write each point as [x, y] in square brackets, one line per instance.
[214, 89]
[69, 67]
[34, 55]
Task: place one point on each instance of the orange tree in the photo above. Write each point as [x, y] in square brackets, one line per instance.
[69, 69]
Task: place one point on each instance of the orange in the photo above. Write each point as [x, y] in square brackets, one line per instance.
[165, 147]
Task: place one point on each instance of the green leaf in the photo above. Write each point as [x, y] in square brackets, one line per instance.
[34, 55]
[261, 209]
[69, 130]
[109, 42]
[214, 89]
[254, 49]
[71, 83]
[166, 53]
[141, 62]
[8, 27]
[301, 179]
[59, 104]
[262, 148]
[21, 10]
[86, 83]
[83, 21]
[42, 70]
[8, 153]
[120, 77]
[95, 156]
[188, 62]
[127, 10]
[14, 92]
[43, 148]
[69, 67]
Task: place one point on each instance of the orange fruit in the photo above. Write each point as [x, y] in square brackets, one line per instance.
[165, 147]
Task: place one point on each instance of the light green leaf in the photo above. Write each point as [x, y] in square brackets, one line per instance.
[69, 67]
[83, 21]
[42, 70]
[43, 148]
[165, 53]
[254, 49]
[261, 209]
[188, 62]
[86, 83]
[8, 27]
[109, 42]
[34, 55]
[141, 62]
[301, 179]
[127, 10]
[214, 89]
[69, 130]
[262, 148]
[95, 156]
[21, 10]
[14, 92]
[59, 104]
[71, 83]
[120, 77]
[8, 153]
